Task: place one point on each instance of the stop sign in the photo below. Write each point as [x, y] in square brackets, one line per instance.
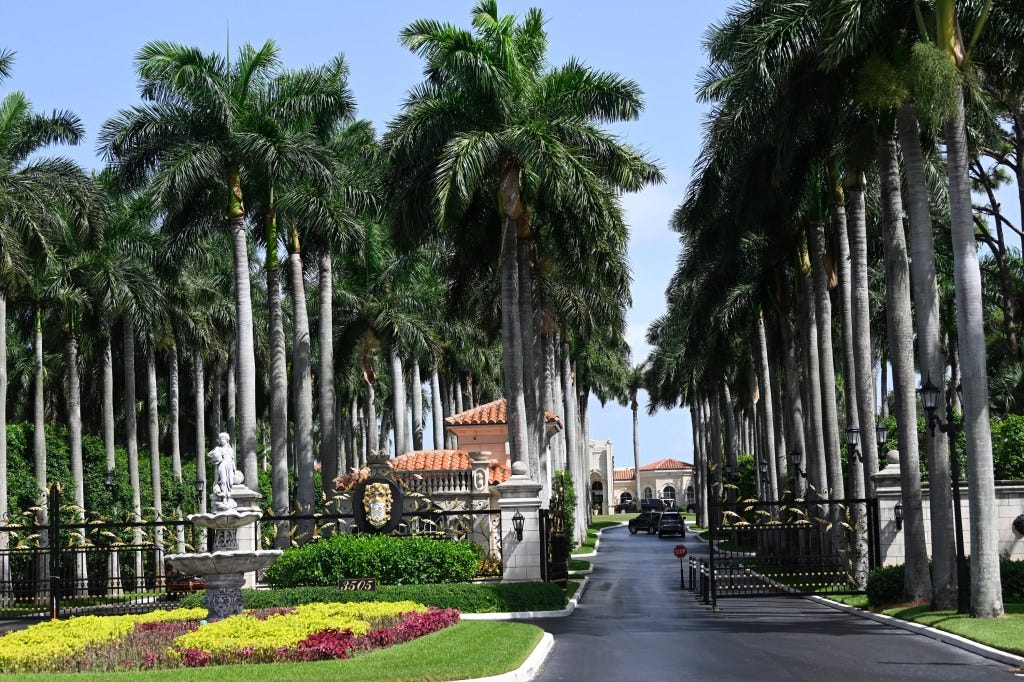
[680, 551]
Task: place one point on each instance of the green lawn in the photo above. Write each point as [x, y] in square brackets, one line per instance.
[1006, 633]
[463, 651]
[579, 565]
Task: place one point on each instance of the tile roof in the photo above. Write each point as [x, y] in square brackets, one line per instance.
[489, 414]
[429, 460]
[623, 474]
[667, 463]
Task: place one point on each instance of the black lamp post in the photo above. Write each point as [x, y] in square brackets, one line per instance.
[881, 434]
[795, 458]
[853, 440]
[518, 520]
[930, 399]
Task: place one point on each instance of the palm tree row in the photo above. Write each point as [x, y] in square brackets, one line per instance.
[838, 157]
[478, 246]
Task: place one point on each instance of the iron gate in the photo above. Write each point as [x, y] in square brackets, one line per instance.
[790, 547]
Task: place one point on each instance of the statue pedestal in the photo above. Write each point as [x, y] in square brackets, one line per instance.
[248, 535]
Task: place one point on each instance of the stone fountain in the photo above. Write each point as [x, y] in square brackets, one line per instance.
[234, 560]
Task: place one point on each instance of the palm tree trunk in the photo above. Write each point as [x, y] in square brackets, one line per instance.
[931, 359]
[328, 437]
[829, 411]
[634, 406]
[132, 435]
[39, 433]
[512, 350]
[399, 404]
[5, 565]
[175, 407]
[794, 399]
[216, 402]
[154, 452]
[768, 411]
[863, 371]
[571, 446]
[436, 408]
[246, 356]
[372, 435]
[731, 435]
[557, 404]
[532, 366]
[417, 404]
[108, 399]
[779, 429]
[232, 390]
[279, 490]
[917, 579]
[80, 583]
[986, 594]
[302, 384]
[884, 384]
[584, 486]
[200, 407]
[815, 459]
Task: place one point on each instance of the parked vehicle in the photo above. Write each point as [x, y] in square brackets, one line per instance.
[650, 504]
[625, 506]
[647, 520]
[671, 523]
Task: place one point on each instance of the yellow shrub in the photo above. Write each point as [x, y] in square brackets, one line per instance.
[286, 630]
[41, 646]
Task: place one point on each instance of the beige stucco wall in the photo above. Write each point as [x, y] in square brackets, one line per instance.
[483, 438]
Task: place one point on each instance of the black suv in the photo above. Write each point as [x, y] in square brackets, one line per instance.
[647, 521]
[671, 523]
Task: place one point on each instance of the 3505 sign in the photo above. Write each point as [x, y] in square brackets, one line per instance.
[353, 584]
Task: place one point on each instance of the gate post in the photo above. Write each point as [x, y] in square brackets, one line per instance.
[520, 559]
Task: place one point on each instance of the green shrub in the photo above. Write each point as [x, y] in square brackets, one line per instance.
[391, 560]
[885, 585]
[1012, 573]
[466, 597]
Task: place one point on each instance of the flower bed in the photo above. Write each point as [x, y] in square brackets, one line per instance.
[173, 639]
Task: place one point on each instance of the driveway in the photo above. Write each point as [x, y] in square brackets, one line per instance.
[636, 624]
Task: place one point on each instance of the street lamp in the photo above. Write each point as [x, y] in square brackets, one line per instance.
[200, 487]
[518, 520]
[853, 440]
[795, 458]
[929, 393]
[881, 433]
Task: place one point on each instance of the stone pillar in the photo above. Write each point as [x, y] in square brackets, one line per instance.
[889, 492]
[248, 535]
[520, 558]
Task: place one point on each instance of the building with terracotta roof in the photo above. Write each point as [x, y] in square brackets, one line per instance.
[484, 428]
[667, 479]
[602, 464]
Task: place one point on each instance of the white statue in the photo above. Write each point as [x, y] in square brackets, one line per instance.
[224, 474]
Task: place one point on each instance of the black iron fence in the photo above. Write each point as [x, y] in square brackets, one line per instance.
[58, 563]
[793, 547]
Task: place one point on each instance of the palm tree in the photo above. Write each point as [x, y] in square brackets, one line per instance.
[32, 189]
[490, 120]
[986, 594]
[634, 382]
[200, 126]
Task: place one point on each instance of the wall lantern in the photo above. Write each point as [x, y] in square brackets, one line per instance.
[108, 480]
[518, 520]
[898, 510]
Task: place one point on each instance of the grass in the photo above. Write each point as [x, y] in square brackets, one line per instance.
[571, 587]
[1006, 633]
[579, 565]
[463, 651]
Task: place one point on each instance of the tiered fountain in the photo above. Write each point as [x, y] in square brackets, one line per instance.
[224, 570]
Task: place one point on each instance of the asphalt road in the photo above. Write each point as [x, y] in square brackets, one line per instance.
[636, 625]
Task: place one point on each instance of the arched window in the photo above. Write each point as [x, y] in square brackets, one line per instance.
[596, 493]
[690, 497]
[648, 493]
[668, 493]
[625, 496]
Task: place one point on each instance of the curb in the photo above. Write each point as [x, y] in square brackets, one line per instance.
[526, 615]
[530, 666]
[933, 633]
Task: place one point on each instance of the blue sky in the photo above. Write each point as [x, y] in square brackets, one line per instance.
[78, 56]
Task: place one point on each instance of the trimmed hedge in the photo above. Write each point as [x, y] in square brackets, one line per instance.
[885, 584]
[391, 560]
[466, 597]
